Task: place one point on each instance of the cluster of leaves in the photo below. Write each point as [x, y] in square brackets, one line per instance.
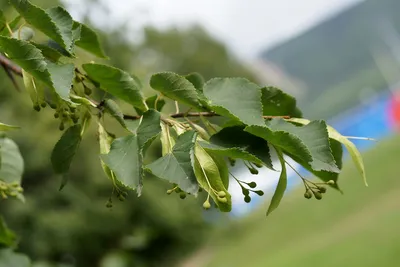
[225, 119]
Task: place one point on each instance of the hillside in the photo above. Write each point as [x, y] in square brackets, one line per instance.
[358, 228]
[339, 54]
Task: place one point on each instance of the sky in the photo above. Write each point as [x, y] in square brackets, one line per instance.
[246, 26]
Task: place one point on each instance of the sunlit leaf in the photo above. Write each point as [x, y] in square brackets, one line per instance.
[235, 98]
[280, 187]
[89, 41]
[117, 82]
[177, 166]
[175, 87]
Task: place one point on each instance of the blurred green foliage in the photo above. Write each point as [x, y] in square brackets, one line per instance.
[73, 227]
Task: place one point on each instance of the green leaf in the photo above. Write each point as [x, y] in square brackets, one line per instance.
[309, 144]
[12, 163]
[197, 80]
[8, 258]
[6, 127]
[277, 103]
[116, 82]
[281, 186]
[235, 98]
[151, 103]
[62, 77]
[56, 22]
[209, 178]
[27, 56]
[167, 142]
[235, 143]
[48, 52]
[125, 160]
[126, 153]
[7, 237]
[175, 87]
[352, 149]
[65, 149]
[222, 168]
[177, 166]
[3, 21]
[89, 40]
[105, 140]
[149, 128]
[13, 26]
[114, 110]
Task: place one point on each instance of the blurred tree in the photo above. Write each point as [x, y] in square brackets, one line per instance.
[73, 226]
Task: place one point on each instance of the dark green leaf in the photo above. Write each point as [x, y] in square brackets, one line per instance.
[209, 178]
[62, 77]
[116, 82]
[309, 144]
[3, 21]
[281, 186]
[89, 40]
[56, 23]
[114, 110]
[27, 56]
[8, 258]
[197, 80]
[65, 149]
[12, 163]
[125, 160]
[175, 87]
[234, 142]
[126, 153]
[235, 98]
[148, 129]
[7, 237]
[48, 52]
[177, 166]
[277, 103]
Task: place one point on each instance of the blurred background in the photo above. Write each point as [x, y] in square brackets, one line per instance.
[341, 59]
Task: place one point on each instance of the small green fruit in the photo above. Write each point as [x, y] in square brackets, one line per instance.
[206, 205]
[121, 197]
[232, 161]
[317, 195]
[36, 107]
[43, 104]
[169, 192]
[88, 91]
[258, 165]
[222, 199]
[247, 199]
[259, 192]
[109, 205]
[182, 195]
[252, 185]
[330, 182]
[245, 191]
[53, 106]
[56, 115]
[308, 194]
[61, 127]
[221, 194]
[253, 171]
[322, 189]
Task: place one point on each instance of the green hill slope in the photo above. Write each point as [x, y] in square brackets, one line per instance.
[359, 228]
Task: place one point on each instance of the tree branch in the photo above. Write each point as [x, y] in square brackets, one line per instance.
[10, 67]
[198, 114]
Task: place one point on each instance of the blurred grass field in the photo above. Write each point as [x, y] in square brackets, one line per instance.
[359, 228]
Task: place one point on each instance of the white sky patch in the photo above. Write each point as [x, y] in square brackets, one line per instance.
[247, 27]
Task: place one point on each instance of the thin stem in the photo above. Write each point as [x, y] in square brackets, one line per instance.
[176, 107]
[9, 29]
